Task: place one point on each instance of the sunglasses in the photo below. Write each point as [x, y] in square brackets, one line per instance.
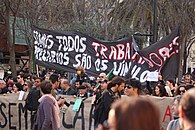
[182, 91]
[101, 76]
[128, 86]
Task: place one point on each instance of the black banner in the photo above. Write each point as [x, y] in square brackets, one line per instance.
[162, 57]
[66, 50]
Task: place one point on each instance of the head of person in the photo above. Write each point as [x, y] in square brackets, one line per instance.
[82, 89]
[38, 81]
[175, 106]
[102, 76]
[20, 78]
[132, 87]
[80, 70]
[54, 80]
[64, 84]
[128, 114]
[160, 91]
[17, 87]
[117, 84]
[28, 85]
[2, 84]
[180, 90]
[77, 83]
[10, 85]
[187, 79]
[187, 110]
[170, 83]
[104, 84]
[46, 87]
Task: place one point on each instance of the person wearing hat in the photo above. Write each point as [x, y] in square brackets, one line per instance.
[104, 84]
[132, 87]
[82, 91]
[102, 76]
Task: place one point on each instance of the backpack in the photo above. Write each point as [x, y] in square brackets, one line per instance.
[32, 102]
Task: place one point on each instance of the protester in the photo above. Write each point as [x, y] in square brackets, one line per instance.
[187, 110]
[28, 85]
[107, 98]
[3, 88]
[54, 78]
[66, 90]
[128, 114]
[81, 75]
[102, 76]
[48, 112]
[20, 79]
[174, 124]
[10, 85]
[180, 90]
[160, 91]
[132, 87]
[82, 91]
[187, 79]
[38, 81]
[171, 85]
[103, 84]
[17, 87]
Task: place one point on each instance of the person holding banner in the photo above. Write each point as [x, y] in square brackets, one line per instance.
[3, 88]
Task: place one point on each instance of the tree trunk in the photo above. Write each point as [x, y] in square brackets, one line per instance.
[11, 44]
[106, 19]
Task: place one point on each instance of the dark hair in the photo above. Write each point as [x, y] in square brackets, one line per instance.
[46, 87]
[134, 83]
[39, 78]
[162, 89]
[129, 113]
[188, 104]
[171, 81]
[19, 86]
[116, 80]
[53, 78]
[177, 91]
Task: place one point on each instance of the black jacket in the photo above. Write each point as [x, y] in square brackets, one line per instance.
[102, 107]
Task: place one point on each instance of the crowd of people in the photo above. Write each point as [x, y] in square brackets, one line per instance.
[44, 100]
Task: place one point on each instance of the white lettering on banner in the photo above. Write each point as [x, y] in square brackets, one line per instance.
[121, 68]
[51, 56]
[157, 59]
[136, 71]
[70, 44]
[44, 41]
[120, 52]
[83, 60]
[100, 65]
